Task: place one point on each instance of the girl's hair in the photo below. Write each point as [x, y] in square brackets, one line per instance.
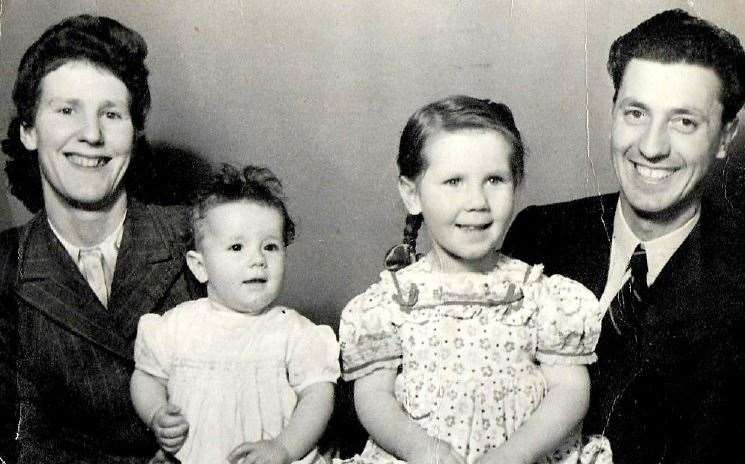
[229, 184]
[104, 43]
[451, 114]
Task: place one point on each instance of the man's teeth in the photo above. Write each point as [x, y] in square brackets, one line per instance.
[655, 174]
[86, 161]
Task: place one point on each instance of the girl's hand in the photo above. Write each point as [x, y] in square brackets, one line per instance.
[500, 455]
[260, 452]
[170, 427]
[434, 451]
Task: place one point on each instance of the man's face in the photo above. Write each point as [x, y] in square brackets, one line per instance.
[667, 131]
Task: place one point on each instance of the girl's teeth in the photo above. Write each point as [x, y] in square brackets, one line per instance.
[655, 174]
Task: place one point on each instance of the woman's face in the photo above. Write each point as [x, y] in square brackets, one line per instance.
[83, 133]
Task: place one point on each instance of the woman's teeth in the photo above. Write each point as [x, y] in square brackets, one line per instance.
[87, 161]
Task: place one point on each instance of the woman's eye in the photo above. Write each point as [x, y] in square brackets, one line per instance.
[236, 247]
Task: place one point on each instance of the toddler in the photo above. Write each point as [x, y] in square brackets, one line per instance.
[233, 377]
[467, 355]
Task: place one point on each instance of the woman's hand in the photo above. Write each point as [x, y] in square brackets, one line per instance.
[260, 452]
[434, 451]
[170, 427]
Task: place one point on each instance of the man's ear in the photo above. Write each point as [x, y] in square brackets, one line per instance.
[409, 192]
[28, 136]
[728, 134]
[196, 265]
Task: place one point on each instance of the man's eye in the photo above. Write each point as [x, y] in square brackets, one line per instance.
[685, 125]
[634, 113]
[236, 247]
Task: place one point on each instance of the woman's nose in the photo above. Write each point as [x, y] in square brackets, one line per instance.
[91, 132]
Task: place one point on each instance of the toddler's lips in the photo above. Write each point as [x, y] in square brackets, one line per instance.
[256, 280]
[87, 161]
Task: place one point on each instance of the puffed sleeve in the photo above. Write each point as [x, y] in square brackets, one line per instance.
[369, 340]
[154, 344]
[568, 321]
[313, 353]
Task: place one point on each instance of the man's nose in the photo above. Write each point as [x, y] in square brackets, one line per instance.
[655, 141]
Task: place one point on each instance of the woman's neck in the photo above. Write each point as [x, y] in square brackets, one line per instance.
[85, 227]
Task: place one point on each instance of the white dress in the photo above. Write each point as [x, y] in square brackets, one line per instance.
[234, 376]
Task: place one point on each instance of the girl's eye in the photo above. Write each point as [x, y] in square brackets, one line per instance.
[66, 110]
[495, 179]
[236, 247]
[271, 247]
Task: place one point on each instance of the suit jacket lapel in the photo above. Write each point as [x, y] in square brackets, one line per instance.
[50, 282]
[150, 259]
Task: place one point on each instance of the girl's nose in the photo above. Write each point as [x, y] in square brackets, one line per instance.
[91, 132]
[476, 199]
[655, 141]
[257, 259]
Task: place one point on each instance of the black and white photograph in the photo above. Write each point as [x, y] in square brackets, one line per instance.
[355, 232]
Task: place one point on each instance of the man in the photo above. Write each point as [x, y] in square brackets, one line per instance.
[659, 254]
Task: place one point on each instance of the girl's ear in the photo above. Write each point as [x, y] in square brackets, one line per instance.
[196, 265]
[28, 137]
[407, 188]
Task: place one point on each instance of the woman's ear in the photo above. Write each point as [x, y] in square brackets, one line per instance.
[409, 192]
[196, 265]
[28, 136]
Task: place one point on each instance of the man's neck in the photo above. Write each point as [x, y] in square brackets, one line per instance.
[650, 227]
[84, 227]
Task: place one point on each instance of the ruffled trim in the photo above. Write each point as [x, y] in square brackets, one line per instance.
[560, 359]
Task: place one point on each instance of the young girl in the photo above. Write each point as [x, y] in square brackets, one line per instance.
[467, 355]
[231, 377]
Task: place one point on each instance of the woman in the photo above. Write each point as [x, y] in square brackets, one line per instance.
[76, 278]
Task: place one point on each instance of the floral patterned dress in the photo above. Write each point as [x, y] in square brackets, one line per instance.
[468, 348]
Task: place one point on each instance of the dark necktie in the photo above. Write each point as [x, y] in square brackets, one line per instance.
[628, 304]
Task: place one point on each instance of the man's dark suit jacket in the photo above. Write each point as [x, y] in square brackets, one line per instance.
[74, 357]
[670, 392]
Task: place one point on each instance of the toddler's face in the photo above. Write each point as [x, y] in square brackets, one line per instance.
[241, 255]
[466, 195]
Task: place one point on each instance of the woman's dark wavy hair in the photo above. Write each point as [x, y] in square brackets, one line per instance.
[229, 184]
[104, 43]
[674, 36]
[450, 114]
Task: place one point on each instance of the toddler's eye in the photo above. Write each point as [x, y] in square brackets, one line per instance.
[236, 247]
[271, 247]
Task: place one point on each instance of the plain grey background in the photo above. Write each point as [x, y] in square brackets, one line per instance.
[319, 91]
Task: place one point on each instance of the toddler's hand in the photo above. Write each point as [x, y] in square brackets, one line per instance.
[170, 427]
[260, 452]
[434, 451]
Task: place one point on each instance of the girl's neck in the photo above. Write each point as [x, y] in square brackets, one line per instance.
[84, 227]
[442, 261]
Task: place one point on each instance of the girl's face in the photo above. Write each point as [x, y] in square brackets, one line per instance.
[466, 195]
[83, 133]
[241, 255]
